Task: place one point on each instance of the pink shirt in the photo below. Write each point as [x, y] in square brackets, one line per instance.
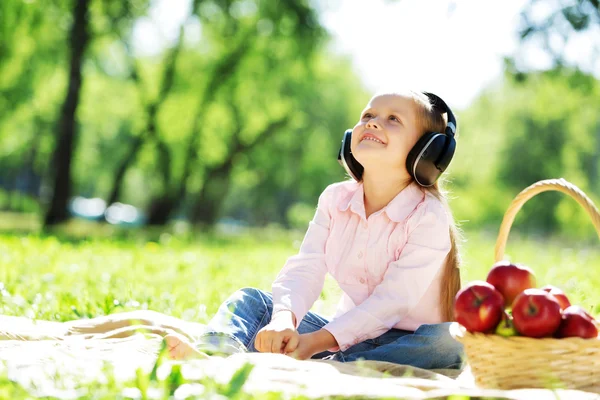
[388, 266]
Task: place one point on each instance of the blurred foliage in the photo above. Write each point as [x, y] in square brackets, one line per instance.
[535, 125]
[527, 128]
[241, 113]
[555, 25]
[243, 80]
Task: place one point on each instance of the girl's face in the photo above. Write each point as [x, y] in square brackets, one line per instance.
[385, 133]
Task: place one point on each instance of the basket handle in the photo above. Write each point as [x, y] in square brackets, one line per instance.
[560, 185]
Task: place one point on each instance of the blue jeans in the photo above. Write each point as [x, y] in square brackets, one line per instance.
[243, 314]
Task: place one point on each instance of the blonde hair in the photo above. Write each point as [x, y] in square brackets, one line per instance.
[430, 119]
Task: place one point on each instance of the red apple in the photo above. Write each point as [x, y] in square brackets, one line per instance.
[579, 310]
[478, 307]
[510, 279]
[536, 313]
[559, 294]
[576, 322]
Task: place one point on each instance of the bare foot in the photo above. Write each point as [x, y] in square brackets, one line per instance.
[180, 348]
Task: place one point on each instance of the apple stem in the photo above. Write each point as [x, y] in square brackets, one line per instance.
[532, 308]
[478, 299]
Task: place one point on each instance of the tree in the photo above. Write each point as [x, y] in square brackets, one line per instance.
[160, 132]
[151, 108]
[529, 127]
[294, 33]
[67, 124]
[31, 50]
[286, 173]
[87, 17]
[557, 26]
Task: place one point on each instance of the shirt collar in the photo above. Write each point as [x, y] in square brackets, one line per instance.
[397, 210]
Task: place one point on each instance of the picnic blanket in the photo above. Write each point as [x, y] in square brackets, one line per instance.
[47, 366]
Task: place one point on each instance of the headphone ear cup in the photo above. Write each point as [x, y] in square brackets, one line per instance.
[447, 153]
[413, 154]
[422, 158]
[347, 160]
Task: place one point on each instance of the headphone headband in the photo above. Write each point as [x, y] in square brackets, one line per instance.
[437, 102]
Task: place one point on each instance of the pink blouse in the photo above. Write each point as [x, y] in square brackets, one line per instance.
[388, 266]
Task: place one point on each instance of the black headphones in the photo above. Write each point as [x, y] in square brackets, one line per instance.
[426, 161]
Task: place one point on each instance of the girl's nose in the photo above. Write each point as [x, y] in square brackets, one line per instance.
[372, 123]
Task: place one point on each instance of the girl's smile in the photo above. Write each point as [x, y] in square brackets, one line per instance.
[371, 137]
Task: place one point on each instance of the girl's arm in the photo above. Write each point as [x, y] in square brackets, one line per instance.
[405, 282]
[300, 281]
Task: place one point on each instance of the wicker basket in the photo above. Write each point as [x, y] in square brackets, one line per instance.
[522, 362]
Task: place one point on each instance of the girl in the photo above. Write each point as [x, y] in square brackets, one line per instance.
[387, 237]
[389, 240]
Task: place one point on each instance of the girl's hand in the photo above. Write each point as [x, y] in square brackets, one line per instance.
[305, 349]
[313, 343]
[279, 336]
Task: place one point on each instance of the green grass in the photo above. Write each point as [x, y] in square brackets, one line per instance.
[188, 275]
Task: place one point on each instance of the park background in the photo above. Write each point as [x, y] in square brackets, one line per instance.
[162, 154]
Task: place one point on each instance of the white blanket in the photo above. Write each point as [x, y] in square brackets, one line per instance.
[49, 366]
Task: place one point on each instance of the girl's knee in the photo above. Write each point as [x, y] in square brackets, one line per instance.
[250, 291]
[244, 294]
[442, 333]
[245, 300]
[442, 329]
[442, 343]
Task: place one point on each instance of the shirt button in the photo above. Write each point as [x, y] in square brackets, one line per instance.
[360, 254]
[362, 280]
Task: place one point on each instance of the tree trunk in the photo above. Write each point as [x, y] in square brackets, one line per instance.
[161, 209]
[288, 195]
[117, 186]
[216, 186]
[67, 127]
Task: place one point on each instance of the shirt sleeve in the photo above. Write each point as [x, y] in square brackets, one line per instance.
[300, 281]
[405, 281]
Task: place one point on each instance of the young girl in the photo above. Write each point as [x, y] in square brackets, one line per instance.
[387, 237]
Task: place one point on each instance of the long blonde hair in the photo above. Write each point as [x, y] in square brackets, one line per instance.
[431, 120]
